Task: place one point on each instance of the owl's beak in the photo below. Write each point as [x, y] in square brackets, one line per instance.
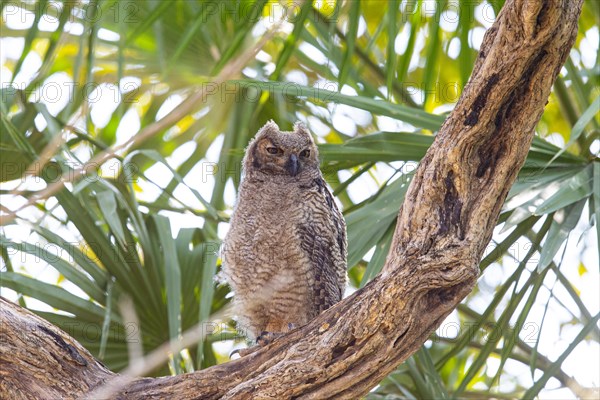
[292, 165]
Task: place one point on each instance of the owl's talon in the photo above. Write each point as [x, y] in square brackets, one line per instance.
[266, 338]
[291, 326]
[244, 352]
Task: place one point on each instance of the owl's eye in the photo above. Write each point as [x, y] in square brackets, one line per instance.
[305, 153]
[272, 150]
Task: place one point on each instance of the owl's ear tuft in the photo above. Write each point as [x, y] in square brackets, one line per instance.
[269, 127]
[301, 129]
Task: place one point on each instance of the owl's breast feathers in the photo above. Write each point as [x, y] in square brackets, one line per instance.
[285, 252]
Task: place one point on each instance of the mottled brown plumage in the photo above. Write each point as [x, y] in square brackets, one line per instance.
[285, 253]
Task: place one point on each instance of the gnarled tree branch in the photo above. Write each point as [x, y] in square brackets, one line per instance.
[445, 223]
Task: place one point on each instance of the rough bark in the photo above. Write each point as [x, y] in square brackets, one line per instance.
[39, 361]
[444, 225]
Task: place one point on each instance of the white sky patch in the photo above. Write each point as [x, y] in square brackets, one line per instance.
[279, 14]
[229, 194]
[401, 41]
[34, 266]
[324, 84]
[383, 171]
[361, 189]
[260, 28]
[575, 57]
[108, 35]
[110, 169]
[317, 126]
[587, 251]
[318, 111]
[349, 91]
[130, 124]
[181, 153]
[356, 116]
[451, 327]
[556, 393]
[492, 365]
[74, 289]
[9, 185]
[201, 113]
[56, 92]
[263, 56]
[16, 17]
[444, 108]
[595, 147]
[484, 13]
[74, 28]
[185, 195]
[428, 8]
[129, 83]
[250, 72]
[362, 26]
[182, 220]
[589, 52]
[104, 100]
[454, 48]
[593, 36]
[343, 123]
[14, 203]
[449, 20]
[314, 53]
[492, 275]
[269, 68]
[476, 37]
[29, 69]
[214, 150]
[48, 23]
[149, 192]
[391, 124]
[40, 122]
[369, 254]
[417, 94]
[222, 229]
[160, 174]
[297, 76]
[556, 139]
[201, 178]
[588, 376]
[82, 152]
[415, 60]
[169, 105]
[345, 118]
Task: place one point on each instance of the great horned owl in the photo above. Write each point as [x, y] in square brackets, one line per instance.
[285, 253]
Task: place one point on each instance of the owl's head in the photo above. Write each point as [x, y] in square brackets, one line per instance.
[274, 152]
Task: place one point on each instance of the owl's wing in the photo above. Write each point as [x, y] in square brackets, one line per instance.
[323, 239]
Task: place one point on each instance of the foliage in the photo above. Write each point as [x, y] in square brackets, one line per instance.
[372, 79]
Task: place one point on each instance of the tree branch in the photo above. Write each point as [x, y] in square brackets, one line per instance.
[39, 361]
[445, 223]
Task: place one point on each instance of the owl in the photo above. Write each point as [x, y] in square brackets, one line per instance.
[284, 255]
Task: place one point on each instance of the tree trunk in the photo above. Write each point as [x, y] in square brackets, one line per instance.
[443, 227]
